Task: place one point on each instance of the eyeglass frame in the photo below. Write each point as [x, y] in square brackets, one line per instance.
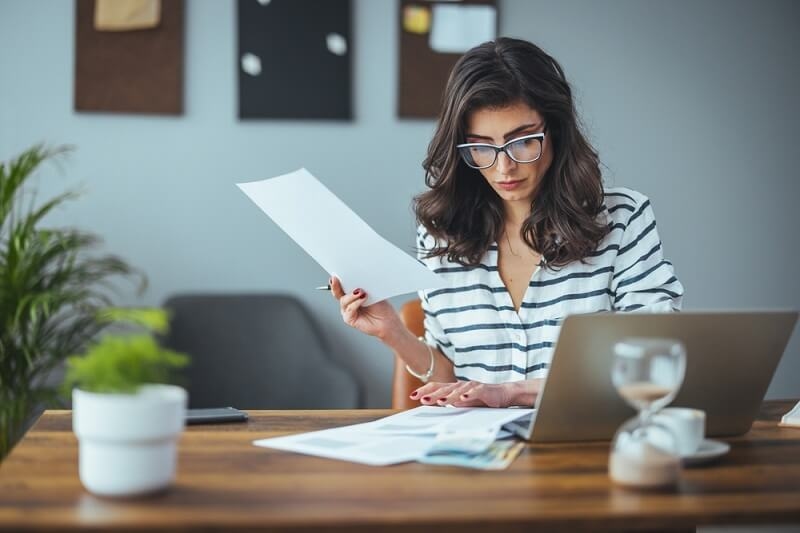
[503, 148]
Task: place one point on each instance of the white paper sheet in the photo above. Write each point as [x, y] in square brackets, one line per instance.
[457, 28]
[350, 444]
[338, 239]
[431, 420]
[394, 439]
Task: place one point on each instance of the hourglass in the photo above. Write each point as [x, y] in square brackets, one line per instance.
[647, 373]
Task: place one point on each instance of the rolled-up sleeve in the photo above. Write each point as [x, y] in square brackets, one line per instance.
[643, 279]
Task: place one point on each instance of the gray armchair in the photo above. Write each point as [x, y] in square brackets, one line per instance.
[256, 351]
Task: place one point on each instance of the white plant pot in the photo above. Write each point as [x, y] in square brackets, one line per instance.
[127, 442]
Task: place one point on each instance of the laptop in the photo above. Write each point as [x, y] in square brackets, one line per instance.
[730, 360]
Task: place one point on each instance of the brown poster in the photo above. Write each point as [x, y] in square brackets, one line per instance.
[429, 47]
[133, 71]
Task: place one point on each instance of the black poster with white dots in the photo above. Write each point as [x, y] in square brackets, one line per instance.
[294, 59]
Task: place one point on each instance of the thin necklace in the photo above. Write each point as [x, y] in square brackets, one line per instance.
[510, 249]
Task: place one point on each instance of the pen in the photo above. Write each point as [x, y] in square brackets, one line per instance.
[323, 288]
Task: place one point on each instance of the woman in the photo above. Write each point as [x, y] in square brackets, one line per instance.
[517, 221]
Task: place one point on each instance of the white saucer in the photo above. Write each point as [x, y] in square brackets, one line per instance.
[709, 449]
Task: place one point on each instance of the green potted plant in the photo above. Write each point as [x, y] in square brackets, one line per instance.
[126, 417]
[52, 285]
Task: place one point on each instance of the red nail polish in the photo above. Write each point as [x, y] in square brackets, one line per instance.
[357, 292]
[363, 295]
[426, 398]
[442, 400]
[465, 396]
[414, 394]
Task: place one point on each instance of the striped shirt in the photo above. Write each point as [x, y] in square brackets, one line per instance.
[472, 320]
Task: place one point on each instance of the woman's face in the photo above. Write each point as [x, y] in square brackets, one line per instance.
[512, 181]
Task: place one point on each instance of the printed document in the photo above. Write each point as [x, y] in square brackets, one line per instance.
[399, 438]
[338, 239]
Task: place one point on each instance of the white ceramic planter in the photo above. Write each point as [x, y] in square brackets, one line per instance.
[127, 442]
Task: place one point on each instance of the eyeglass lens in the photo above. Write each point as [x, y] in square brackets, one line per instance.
[521, 151]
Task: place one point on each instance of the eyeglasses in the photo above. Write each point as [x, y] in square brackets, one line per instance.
[525, 149]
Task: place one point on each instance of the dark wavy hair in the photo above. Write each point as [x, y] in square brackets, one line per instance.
[461, 210]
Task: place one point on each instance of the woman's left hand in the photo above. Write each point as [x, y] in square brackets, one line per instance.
[476, 394]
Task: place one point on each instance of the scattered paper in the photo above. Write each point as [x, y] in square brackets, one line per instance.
[432, 420]
[457, 28]
[497, 456]
[251, 64]
[468, 441]
[417, 19]
[126, 15]
[350, 444]
[403, 437]
[792, 418]
[336, 43]
[338, 239]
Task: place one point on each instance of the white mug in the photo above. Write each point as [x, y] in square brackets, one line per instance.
[686, 424]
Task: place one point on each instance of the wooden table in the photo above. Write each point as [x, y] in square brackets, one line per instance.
[225, 483]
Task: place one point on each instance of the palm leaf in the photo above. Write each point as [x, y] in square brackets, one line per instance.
[53, 285]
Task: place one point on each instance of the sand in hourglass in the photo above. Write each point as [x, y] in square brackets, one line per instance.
[641, 464]
[643, 391]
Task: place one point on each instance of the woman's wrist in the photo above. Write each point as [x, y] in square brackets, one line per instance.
[524, 393]
[397, 337]
[420, 357]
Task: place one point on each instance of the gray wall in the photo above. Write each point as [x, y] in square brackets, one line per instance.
[692, 103]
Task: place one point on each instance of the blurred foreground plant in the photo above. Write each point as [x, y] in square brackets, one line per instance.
[120, 363]
[52, 289]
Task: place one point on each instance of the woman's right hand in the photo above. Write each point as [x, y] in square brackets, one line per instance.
[379, 319]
